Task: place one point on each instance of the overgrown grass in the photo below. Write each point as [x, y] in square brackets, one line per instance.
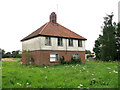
[93, 74]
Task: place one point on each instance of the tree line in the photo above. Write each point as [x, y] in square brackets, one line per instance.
[13, 54]
[107, 45]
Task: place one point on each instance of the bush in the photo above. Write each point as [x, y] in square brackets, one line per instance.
[62, 60]
[28, 57]
[72, 61]
[90, 55]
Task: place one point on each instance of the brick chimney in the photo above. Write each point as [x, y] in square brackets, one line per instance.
[53, 17]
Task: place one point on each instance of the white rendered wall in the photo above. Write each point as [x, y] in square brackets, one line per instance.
[31, 44]
[38, 43]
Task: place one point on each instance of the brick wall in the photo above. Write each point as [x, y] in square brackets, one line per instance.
[42, 57]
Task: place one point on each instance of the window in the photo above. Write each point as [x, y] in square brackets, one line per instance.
[70, 42]
[76, 56]
[48, 41]
[60, 43]
[79, 43]
[54, 57]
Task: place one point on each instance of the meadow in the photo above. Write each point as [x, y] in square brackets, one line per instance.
[93, 74]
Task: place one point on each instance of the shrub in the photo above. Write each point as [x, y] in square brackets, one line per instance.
[72, 61]
[62, 60]
[90, 55]
[28, 57]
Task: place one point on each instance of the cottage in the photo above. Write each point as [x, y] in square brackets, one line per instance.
[52, 41]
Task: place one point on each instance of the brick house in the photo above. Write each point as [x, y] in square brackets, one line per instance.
[52, 41]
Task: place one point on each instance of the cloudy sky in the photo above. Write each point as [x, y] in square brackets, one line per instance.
[18, 18]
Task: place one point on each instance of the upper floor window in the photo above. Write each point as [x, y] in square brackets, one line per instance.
[79, 43]
[60, 43]
[70, 42]
[48, 41]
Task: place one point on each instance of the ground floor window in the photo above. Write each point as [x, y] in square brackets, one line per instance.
[76, 55]
[54, 57]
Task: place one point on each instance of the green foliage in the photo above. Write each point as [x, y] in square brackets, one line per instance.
[117, 35]
[105, 46]
[90, 55]
[96, 48]
[14, 54]
[28, 57]
[75, 61]
[94, 74]
[62, 60]
[72, 61]
[108, 49]
[87, 51]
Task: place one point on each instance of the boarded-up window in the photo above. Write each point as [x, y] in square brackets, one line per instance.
[47, 41]
[53, 57]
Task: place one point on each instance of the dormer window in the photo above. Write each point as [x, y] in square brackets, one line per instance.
[48, 41]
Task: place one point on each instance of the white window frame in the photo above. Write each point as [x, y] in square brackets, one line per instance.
[79, 43]
[70, 42]
[48, 41]
[60, 42]
[54, 57]
[76, 55]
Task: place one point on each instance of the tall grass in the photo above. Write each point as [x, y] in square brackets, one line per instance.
[93, 74]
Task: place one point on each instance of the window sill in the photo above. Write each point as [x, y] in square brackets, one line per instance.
[54, 61]
[60, 45]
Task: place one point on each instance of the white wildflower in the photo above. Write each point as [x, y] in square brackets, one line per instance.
[45, 67]
[81, 85]
[108, 68]
[27, 83]
[115, 71]
[92, 74]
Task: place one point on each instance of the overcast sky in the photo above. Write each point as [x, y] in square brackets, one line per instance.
[19, 18]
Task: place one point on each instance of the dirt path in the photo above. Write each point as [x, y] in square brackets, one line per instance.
[7, 59]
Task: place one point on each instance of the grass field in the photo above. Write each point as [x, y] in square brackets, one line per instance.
[93, 74]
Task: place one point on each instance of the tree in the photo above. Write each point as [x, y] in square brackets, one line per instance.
[107, 40]
[87, 51]
[96, 48]
[117, 35]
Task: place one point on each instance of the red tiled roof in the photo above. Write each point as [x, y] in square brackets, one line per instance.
[52, 29]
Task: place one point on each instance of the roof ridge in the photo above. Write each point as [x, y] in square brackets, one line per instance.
[43, 28]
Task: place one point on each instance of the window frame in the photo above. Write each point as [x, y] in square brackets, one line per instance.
[70, 42]
[48, 41]
[80, 43]
[56, 57]
[60, 42]
[76, 54]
